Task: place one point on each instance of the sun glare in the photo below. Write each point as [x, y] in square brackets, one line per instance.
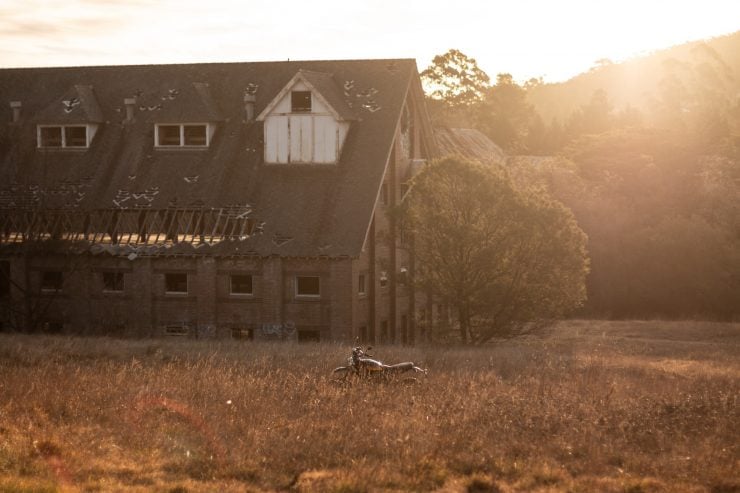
[558, 40]
[528, 38]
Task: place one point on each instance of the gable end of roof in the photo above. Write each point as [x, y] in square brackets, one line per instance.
[323, 86]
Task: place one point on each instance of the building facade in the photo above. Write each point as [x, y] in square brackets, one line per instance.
[246, 199]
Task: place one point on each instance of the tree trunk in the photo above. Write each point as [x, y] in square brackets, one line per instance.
[464, 319]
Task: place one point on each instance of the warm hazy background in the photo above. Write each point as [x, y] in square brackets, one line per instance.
[529, 38]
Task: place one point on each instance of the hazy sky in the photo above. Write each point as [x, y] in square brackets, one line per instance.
[555, 39]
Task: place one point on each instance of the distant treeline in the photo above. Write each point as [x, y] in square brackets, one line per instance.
[653, 181]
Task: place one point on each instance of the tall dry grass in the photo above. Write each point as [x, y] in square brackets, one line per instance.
[590, 406]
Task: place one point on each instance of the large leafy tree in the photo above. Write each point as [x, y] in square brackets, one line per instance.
[461, 94]
[455, 79]
[455, 86]
[504, 260]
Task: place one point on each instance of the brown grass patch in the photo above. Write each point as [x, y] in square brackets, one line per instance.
[590, 406]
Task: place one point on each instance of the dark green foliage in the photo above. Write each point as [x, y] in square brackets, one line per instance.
[506, 260]
[662, 219]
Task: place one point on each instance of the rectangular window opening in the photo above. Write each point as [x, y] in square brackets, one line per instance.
[113, 282]
[308, 286]
[309, 335]
[53, 326]
[361, 284]
[300, 101]
[62, 136]
[75, 136]
[168, 135]
[384, 197]
[4, 278]
[51, 280]
[182, 135]
[242, 333]
[195, 135]
[241, 284]
[176, 283]
[50, 137]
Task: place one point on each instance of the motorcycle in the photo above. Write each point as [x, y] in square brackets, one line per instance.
[362, 364]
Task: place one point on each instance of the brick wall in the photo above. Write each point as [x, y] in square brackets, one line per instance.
[144, 306]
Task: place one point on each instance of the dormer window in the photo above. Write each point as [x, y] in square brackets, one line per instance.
[64, 136]
[300, 102]
[183, 135]
[307, 121]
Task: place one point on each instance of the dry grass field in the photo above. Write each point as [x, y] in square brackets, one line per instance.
[589, 406]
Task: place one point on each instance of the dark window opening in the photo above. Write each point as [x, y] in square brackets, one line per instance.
[241, 284]
[307, 286]
[195, 135]
[4, 279]
[363, 334]
[361, 284]
[75, 136]
[53, 327]
[50, 137]
[242, 333]
[309, 335]
[51, 280]
[113, 281]
[181, 329]
[300, 101]
[384, 331]
[403, 236]
[384, 197]
[176, 283]
[169, 135]
[383, 279]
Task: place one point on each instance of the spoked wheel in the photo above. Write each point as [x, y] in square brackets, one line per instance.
[340, 377]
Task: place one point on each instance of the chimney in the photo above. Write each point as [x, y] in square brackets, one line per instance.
[249, 100]
[15, 106]
[130, 104]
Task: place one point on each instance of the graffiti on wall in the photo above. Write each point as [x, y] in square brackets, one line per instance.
[281, 331]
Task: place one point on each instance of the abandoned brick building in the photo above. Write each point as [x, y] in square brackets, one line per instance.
[249, 199]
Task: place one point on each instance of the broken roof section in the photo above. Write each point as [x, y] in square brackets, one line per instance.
[77, 104]
[179, 103]
[469, 143]
[325, 210]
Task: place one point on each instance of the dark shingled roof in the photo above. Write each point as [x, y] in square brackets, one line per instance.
[195, 104]
[307, 210]
[77, 105]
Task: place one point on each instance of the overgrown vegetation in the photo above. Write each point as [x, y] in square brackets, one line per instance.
[662, 220]
[647, 156]
[504, 259]
[595, 406]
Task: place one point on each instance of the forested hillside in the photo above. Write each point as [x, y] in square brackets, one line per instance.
[646, 154]
[643, 83]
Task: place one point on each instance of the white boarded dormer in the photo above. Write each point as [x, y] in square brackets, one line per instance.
[307, 122]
